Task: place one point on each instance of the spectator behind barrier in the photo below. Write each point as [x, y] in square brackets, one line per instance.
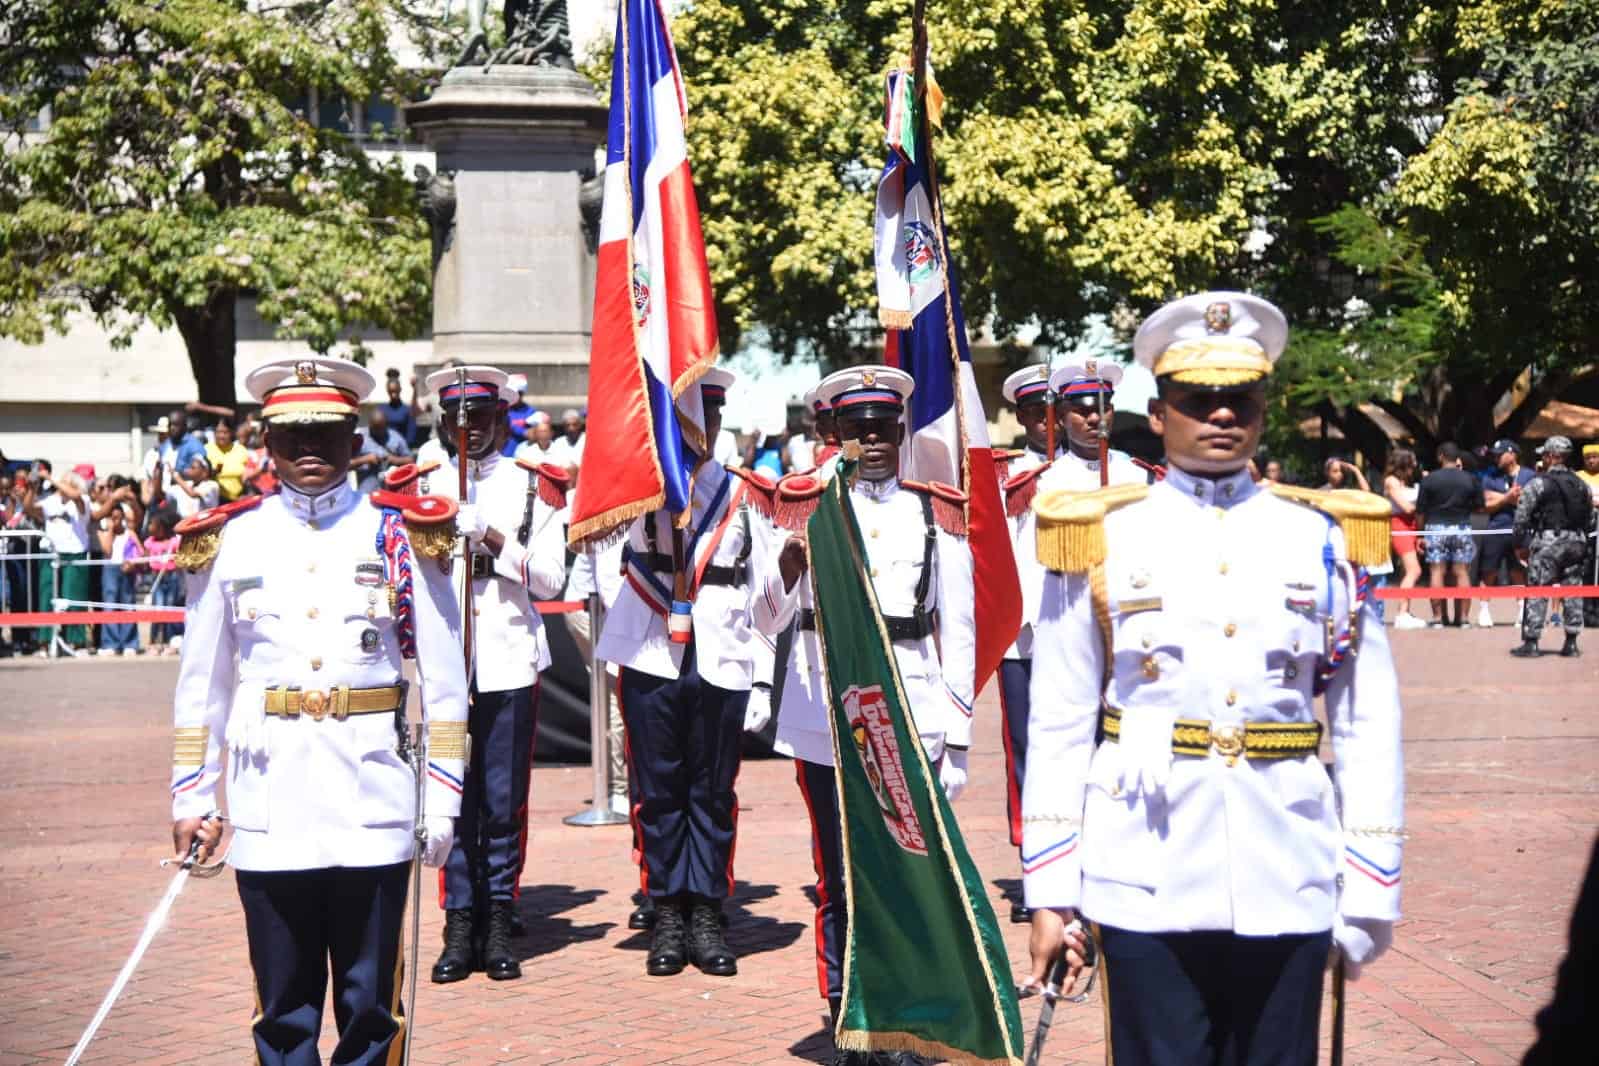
[1445, 503]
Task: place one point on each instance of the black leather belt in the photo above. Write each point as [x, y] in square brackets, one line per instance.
[914, 627]
[731, 576]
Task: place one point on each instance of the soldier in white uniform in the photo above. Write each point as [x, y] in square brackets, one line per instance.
[921, 571]
[1184, 631]
[513, 519]
[1079, 392]
[684, 701]
[301, 608]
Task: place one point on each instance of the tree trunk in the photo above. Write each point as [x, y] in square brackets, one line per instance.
[210, 333]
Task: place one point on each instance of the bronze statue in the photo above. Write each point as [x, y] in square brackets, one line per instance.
[436, 195]
[537, 34]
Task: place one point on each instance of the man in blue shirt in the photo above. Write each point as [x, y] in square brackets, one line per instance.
[1501, 490]
[519, 416]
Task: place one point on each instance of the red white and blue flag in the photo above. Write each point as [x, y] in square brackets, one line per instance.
[654, 316]
[919, 301]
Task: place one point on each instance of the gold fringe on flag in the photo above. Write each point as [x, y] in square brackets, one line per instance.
[894, 319]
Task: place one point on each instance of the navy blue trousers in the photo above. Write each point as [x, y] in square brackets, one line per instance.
[1015, 675]
[301, 925]
[1213, 998]
[827, 855]
[491, 833]
[683, 735]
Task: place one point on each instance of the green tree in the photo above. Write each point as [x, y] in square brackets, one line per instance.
[1477, 267]
[176, 173]
[1096, 154]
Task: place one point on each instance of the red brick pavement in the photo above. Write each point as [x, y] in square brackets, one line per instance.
[1503, 762]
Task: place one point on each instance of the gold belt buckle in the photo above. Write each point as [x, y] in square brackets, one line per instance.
[315, 704]
[1228, 742]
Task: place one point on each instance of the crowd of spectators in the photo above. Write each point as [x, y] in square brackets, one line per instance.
[1454, 524]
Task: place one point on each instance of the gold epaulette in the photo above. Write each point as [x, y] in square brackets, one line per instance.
[1363, 516]
[1071, 525]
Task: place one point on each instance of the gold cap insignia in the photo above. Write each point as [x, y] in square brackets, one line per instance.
[1092, 366]
[1043, 373]
[305, 372]
[868, 378]
[1219, 317]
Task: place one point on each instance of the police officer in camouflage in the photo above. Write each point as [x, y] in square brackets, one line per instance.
[1552, 521]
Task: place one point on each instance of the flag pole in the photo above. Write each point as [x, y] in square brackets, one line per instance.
[466, 545]
[1049, 424]
[1104, 438]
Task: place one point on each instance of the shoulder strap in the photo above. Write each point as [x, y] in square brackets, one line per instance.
[525, 530]
[929, 542]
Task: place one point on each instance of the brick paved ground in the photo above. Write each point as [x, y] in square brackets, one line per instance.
[1504, 802]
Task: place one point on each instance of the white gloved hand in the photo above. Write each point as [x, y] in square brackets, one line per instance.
[759, 711]
[441, 838]
[470, 522]
[1146, 750]
[952, 773]
[1361, 940]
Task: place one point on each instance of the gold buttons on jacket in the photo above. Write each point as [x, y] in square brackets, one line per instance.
[1232, 697]
[316, 663]
[1222, 569]
[1151, 668]
[874, 533]
[311, 612]
[1229, 629]
[251, 613]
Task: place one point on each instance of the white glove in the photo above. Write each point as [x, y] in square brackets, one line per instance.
[441, 838]
[1146, 750]
[471, 522]
[952, 773]
[1361, 940]
[759, 711]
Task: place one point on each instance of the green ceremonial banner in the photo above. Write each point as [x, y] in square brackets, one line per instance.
[925, 967]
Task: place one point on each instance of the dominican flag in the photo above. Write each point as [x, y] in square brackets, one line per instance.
[654, 317]
[919, 303]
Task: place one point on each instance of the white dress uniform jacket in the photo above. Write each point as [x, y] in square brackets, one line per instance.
[509, 647]
[1072, 473]
[1219, 597]
[289, 600]
[894, 528]
[635, 634]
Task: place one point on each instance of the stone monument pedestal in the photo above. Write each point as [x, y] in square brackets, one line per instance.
[513, 284]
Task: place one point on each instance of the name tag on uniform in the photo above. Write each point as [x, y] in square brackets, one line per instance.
[369, 573]
[1305, 605]
[1148, 603]
[241, 585]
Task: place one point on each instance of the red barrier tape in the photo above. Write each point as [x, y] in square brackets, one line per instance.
[1490, 592]
[174, 614]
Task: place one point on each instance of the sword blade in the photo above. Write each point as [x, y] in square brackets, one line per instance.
[152, 926]
[1053, 979]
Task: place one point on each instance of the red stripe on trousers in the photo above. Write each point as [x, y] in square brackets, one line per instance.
[527, 801]
[1013, 799]
[821, 881]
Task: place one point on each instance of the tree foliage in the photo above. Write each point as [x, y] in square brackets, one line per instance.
[1095, 154]
[179, 170]
[1478, 264]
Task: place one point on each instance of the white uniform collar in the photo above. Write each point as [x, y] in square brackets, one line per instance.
[335, 501]
[1089, 464]
[876, 490]
[478, 469]
[1229, 490]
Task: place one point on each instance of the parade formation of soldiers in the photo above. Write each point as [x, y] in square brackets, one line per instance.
[1179, 626]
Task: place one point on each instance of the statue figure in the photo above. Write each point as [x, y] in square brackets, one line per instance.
[477, 41]
[537, 34]
[590, 204]
[436, 195]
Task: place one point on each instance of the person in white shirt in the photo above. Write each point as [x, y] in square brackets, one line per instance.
[922, 578]
[193, 490]
[684, 700]
[1174, 797]
[568, 445]
[302, 608]
[540, 446]
[513, 518]
[62, 510]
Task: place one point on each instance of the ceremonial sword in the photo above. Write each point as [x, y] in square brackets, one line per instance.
[1054, 978]
[188, 864]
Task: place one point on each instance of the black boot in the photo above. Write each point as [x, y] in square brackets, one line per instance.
[706, 945]
[1569, 649]
[1020, 914]
[643, 916]
[668, 940]
[457, 961]
[499, 961]
[1528, 650]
